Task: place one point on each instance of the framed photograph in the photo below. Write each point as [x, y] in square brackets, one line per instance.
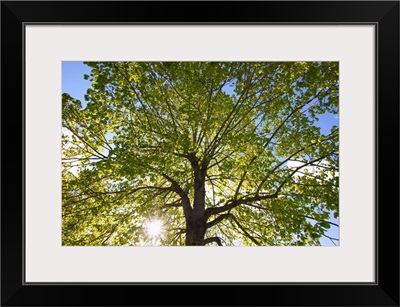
[200, 153]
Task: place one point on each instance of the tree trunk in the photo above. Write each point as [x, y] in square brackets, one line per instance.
[196, 222]
[195, 231]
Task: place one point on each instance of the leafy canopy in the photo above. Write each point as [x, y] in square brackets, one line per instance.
[271, 174]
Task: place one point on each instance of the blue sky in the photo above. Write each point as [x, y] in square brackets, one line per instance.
[74, 84]
[72, 79]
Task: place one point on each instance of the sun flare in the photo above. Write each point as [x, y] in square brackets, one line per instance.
[154, 228]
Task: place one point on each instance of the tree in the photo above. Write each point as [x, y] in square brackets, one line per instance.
[218, 152]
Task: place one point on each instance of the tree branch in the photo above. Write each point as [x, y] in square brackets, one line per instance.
[242, 179]
[187, 208]
[288, 117]
[230, 204]
[302, 215]
[97, 154]
[332, 239]
[319, 220]
[218, 220]
[213, 239]
[173, 205]
[245, 232]
[297, 169]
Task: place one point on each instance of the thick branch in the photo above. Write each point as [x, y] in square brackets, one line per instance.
[234, 203]
[173, 205]
[187, 209]
[213, 239]
[218, 220]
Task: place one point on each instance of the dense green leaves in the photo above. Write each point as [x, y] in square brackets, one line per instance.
[132, 151]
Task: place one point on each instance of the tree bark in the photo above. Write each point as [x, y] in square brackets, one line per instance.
[196, 222]
[195, 231]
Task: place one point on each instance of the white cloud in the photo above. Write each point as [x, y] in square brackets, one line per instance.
[311, 169]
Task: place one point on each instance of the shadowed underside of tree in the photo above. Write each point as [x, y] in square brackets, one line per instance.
[219, 152]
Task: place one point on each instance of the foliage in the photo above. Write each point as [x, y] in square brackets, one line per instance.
[161, 140]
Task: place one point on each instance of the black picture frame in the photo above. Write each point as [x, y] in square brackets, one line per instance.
[383, 14]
